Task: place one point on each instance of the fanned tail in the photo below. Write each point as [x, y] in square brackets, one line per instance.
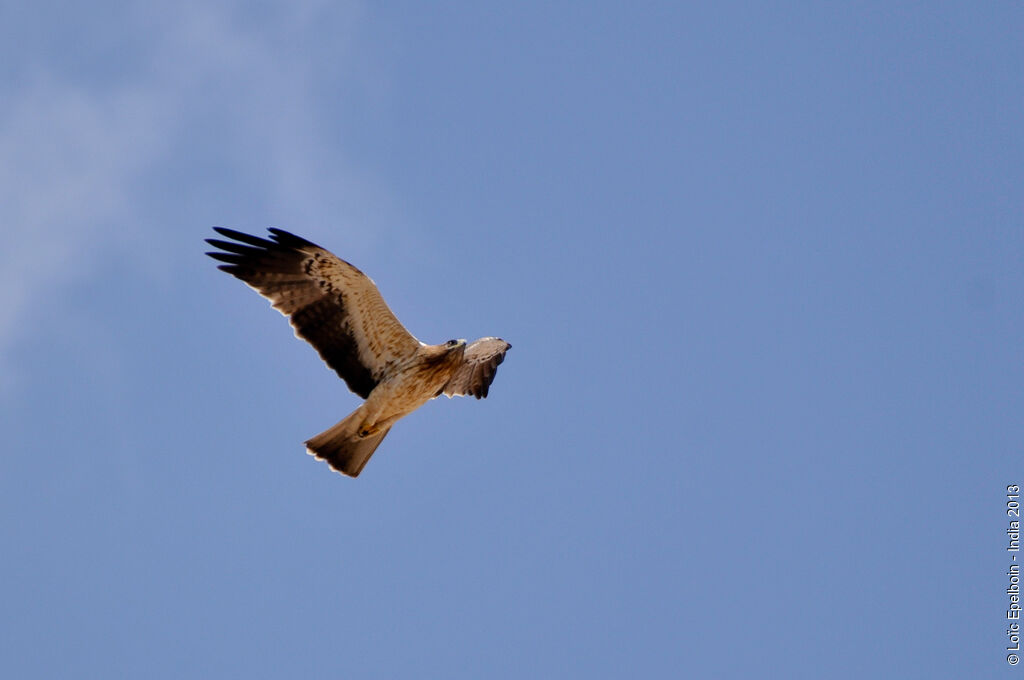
[342, 448]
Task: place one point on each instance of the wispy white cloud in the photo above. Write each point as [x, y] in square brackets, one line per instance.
[66, 160]
[75, 154]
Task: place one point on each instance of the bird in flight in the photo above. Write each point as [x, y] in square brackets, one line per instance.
[338, 309]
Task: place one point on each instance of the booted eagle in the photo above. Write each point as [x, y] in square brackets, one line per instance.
[338, 309]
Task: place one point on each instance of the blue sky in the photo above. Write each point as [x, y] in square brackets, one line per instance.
[760, 267]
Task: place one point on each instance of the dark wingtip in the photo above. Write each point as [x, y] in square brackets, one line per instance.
[244, 238]
[226, 257]
[290, 240]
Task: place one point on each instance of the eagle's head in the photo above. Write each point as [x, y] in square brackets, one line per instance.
[453, 351]
[448, 353]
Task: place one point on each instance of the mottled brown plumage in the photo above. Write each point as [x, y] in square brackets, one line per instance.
[338, 310]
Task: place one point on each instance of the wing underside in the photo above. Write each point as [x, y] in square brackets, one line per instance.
[479, 365]
[329, 302]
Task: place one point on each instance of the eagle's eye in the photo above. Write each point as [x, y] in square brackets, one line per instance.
[452, 343]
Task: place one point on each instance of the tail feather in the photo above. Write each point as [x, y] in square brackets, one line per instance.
[342, 448]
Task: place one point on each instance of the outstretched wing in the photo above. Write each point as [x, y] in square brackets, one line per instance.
[479, 364]
[331, 304]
